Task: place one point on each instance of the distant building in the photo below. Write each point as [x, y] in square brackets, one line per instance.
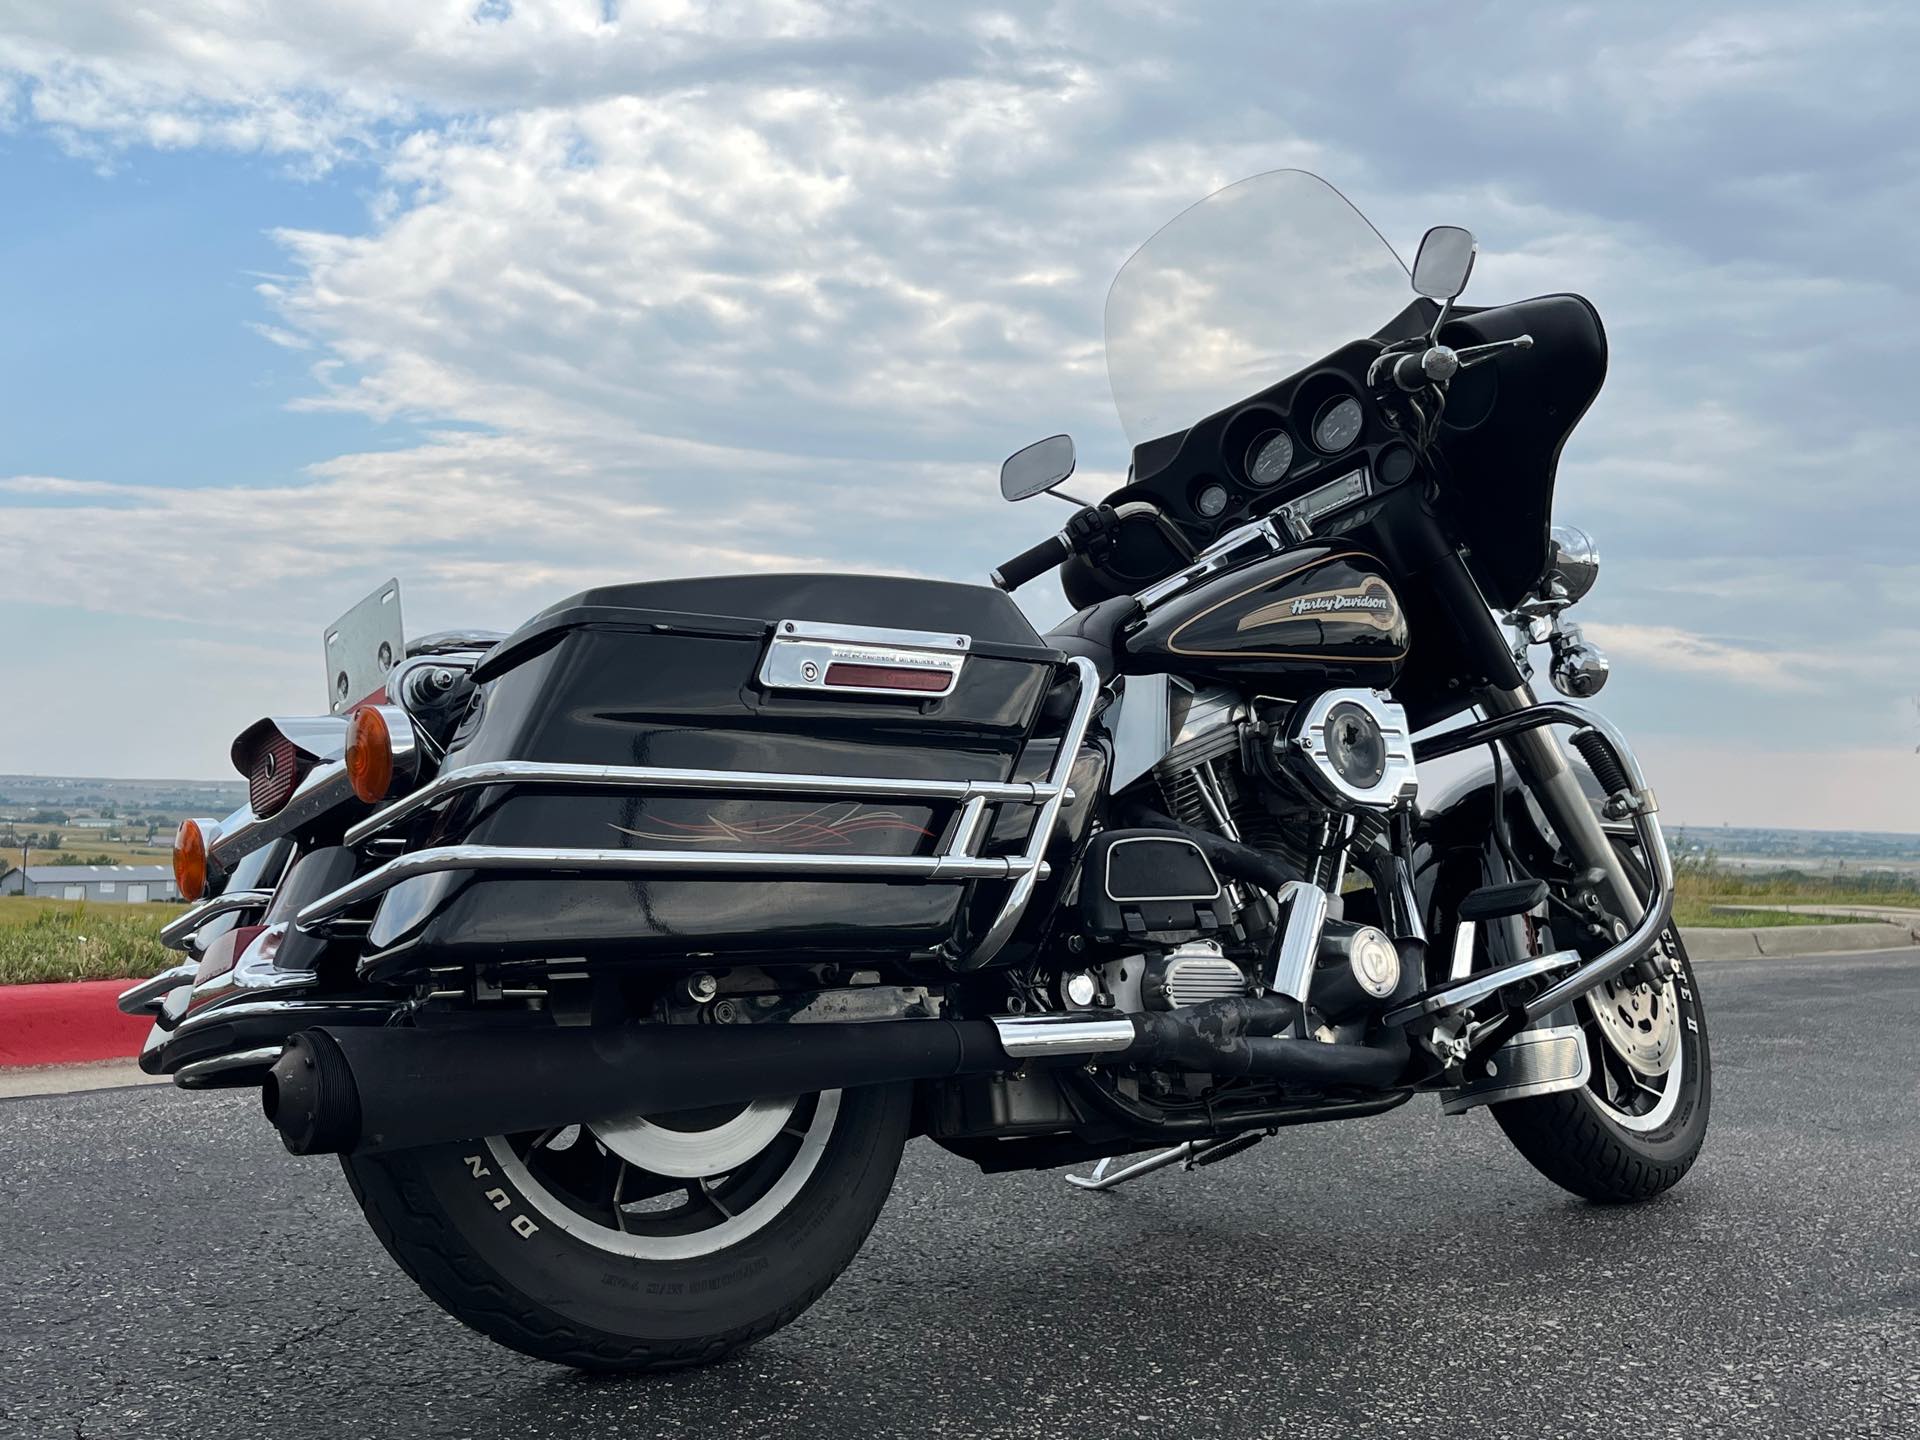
[12, 880]
[103, 884]
[94, 824]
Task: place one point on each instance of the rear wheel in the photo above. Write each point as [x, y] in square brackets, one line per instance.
[649, 1243]
[1635, 1128]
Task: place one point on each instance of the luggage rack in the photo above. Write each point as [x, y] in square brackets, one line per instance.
[957, 861]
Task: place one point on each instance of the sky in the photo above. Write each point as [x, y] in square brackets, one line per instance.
[516, 297]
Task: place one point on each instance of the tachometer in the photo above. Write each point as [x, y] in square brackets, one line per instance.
[1269, 458]
[1338, 424]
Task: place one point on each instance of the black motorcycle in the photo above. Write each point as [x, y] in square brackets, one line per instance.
[619, 957]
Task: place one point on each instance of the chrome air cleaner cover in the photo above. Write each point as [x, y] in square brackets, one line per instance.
[1353, 748]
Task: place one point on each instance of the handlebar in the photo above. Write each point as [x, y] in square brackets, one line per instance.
[1414, 370]
[1034, 562]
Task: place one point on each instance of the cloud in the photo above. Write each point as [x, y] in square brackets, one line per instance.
[699, 286]
[1667, 647]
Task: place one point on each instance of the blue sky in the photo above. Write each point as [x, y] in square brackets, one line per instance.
[517, 298]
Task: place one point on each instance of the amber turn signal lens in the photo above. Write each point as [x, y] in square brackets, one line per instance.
[370, 755]
[190, 860]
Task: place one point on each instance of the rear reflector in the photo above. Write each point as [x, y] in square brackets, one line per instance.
[890, 677]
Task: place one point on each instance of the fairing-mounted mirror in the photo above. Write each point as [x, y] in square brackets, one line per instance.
[1038, 468]
[1445, 261]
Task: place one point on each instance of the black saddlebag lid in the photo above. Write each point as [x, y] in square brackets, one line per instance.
[748, 604]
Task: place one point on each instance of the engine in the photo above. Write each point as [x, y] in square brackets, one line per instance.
[1305, 782]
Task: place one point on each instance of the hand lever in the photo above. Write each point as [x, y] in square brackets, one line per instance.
[1474, 354]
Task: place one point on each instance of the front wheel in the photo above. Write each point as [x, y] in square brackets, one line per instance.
[650, 1243]
[1636, 1127]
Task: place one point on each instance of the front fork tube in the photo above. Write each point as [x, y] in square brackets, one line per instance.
[1543, 766]
[1504, 690]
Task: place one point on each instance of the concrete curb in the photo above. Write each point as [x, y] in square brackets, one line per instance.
[67, 1024]
[1789, 940]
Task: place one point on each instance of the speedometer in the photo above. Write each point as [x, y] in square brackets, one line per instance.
[1338, 424]
[1269, 458]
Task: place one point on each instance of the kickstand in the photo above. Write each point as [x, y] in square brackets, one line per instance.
[1193, 1152]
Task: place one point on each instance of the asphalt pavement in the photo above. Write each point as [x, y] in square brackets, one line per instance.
[166, 1270]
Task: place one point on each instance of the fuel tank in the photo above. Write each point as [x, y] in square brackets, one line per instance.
[1315, 618]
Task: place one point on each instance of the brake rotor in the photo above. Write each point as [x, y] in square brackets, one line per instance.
[695, 1144]
[1639, 1022]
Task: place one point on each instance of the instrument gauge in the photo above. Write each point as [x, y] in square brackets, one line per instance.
[1269, 458]
[1338, 424]
[1211, 501]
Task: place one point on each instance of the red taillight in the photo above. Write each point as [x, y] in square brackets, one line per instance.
[225, 952]
[889, 677]
[273, 774]
[369, 756]
[190, 860]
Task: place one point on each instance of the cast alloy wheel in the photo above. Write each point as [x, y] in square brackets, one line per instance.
[1633, 1037]
[671, 1187]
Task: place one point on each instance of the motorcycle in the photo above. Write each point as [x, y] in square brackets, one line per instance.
[619, 958]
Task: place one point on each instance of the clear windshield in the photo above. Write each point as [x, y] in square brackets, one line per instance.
[1253, 284]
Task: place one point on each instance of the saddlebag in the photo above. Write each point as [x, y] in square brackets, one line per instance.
[737, 727]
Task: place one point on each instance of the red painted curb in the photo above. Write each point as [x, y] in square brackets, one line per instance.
[65, 1024]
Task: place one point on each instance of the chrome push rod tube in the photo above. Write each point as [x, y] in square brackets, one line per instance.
[1300, 940]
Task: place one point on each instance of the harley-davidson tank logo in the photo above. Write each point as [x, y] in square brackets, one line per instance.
[1372, 604]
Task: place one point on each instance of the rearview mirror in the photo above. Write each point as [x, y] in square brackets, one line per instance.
[1038, 468]
[1445, 261]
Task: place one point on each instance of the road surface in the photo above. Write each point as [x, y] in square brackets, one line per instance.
[168, 1271]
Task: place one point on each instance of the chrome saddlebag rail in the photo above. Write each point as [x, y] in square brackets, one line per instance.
[959, 861]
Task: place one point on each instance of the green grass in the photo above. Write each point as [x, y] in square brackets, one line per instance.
[1700, 914]
[1701, 883]
[43, 940]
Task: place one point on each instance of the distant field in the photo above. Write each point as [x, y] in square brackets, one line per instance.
[42, 940]
[84, 847]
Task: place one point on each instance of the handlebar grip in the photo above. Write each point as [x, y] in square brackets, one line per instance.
[1033, 563]
[1409, 373]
